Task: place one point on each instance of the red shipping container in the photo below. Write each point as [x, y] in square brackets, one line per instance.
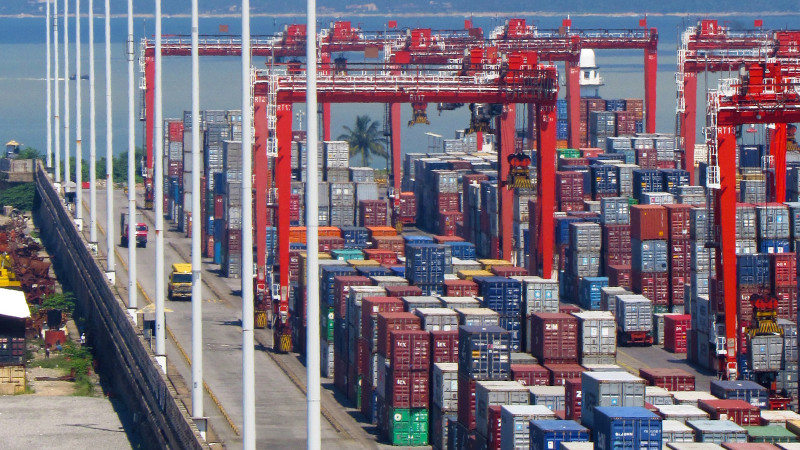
[669, 379]
[364, 356]
[408, 207]
[666, 164]
[648, 222]
[554, 337]
[739, 411]
[372, 213]
[409, 389]
[294, 265]
[382, 256]
[573, 397]
[341, 288]
[677, 281]
[619, 275]
[444, 239]
[618, 259]
[591, 152]
[175, 131]
[784, 269]
[680, 255]
[371, 307]
[647, 158]
[444, 346]
[787, 302]
[494, 428]
[530, 374]
[392, 243]
[460, 288]
[676, 330]
[410, 350]
[403, 291]
[466, 401]
[447, 222]
[679, 221]
[565, 308]
[234, 240]
[447, 202]
[568, 206]
[569, 187]
[328, 243]
[616, 238]
[561, 372]
[396, 321]
[509, 271]
[654, 286]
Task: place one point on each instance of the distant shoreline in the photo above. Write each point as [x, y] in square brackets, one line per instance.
[443, 14]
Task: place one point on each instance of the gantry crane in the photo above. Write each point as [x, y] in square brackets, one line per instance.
[393, 84]
[710, 47]
[766, 93]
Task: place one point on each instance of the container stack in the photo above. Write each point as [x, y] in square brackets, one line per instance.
[232, 242]
[342, 203]
[553, 338]
[627, 427]
[597, 335]
[585, 243]
[604, 389]
[602, 124]
[425, 267]
[504, 295]
[444, 402]
[336, 157]
[680, 253]
[634, 315]
[786, 383]
[650, 275]
[370, 308]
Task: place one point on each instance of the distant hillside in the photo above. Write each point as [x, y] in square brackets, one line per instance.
[13, 7]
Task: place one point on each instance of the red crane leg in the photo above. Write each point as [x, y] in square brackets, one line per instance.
[650, 72]
[573, 104]
[532, 135]
[546, 197]
[261, 172]
[506, 132]
[778, 151]
[725, 224]
[283, 181]
[689, 122]
[395, 150]
[326, 121]
[479, 140]
[149, 108]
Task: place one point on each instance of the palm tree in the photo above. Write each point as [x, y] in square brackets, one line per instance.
[365, 140]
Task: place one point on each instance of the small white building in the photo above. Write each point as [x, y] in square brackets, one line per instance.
[590, 79]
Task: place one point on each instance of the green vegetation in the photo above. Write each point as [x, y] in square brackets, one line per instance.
[20, 197]
[72, 360]
[366, 140]
[64, 301]
[120, 169]
[30, 153]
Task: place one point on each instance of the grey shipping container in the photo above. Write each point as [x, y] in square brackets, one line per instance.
[597, 333]
[477, 316]
[438, 319]
[514, 424]
[553, 397]
[539, 294]
[717, 431]
[765, 353]
[444, 386]
[609, 389]
[489, 393]
[634, 313]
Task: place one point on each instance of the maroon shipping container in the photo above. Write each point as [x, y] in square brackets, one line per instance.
[787, 302]
[677, 281]
[408, 207]
[371, 307]
[460, 288]
[466, 401]
[372, 213]
[382, 256]
[509, 271]
[494, 428]
[654, 286]
[294, 265]
[647, 158]
[619, 275]
[569, 206]
[341, 288]
[175, 168]
[530, 374]
[396, 321]
[403, 291]
[393, 243]
[680, 255]
[366, 398]
[444, 346]
[340, 370]
[447, 202]
[569, 187]
[294, 207]
[219, 207]
[676, 330]
[554, 337]
[739, 411]
[665, 165]
[679, 221]
[617, 239]
[784, 269]
[175, 131]
[410, 350]
[234, 240]
[447, 222]
[409, 389]
[626, 123]
[561, 372]
[648, 222]
[364, 356]
[669, 379]
[328, 243]
[573, 397]
[566, 308]
[618, 259]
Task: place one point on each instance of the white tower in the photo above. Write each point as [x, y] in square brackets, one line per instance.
[590, 79]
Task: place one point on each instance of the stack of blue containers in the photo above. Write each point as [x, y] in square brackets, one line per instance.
[672, 179]
[631, 427]
[504, 296]
[374, 271]
[589, 294]
[750, 155]
[605, 182]
[646, 180]
[355, 237]
[425, 267]
[562, 121]
[462, 250]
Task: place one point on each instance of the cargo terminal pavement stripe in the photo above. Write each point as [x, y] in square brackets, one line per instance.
[285, 369]
[177, 344]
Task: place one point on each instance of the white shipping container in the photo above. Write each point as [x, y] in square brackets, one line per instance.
[674, 431]
[634, 313]
[539, 294]
[477, 316]
[489, 393]
[778, 417]
[459, 302]
[694, 446]
[681, 413]
[553, 397]
[690, 397]
[444, 386]
[438, 319]
[656, 395]
[384, 281]
[597, 333]
[413, 302]
[515, 423]
[717, 431]
[326, 358]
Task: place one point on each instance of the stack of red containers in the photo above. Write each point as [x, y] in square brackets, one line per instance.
[559, 373]
[372, 213]
[444, 346]
[403, 291]
[407, 379]
[647, 158]
[626, 123]
[616, 246]
[680, 252]
[509, 271]
[370, 308]
[460, 288]
[294, 208]
[554, 337]
[328, 243]
[739, 411]
[569, 191]
[573, 394]
[407, 213]
[676, 329]
[672, 379]
[619, 276]
[586, 106]
[391, 243]
[494, 428]
[530, 374]
[784, 284]
[447, 222]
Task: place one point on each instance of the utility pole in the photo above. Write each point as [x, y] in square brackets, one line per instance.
[56, 95]
[158, 183]
[133, 301]
[79, 121]
[49, 91]
[111, 257]
[93, 138]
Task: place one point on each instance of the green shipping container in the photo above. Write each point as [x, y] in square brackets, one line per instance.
[569, 153]
[326, 323]
[347, 254]
[658, 309]
[632, 201]
[408, 427]
[771, 434]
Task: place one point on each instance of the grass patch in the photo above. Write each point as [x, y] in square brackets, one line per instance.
[72, 359]
[84, 387]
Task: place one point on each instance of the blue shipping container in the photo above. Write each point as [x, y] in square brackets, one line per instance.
[462, 250]
[355, 237]
[589, 294]
[561, 109]
[374, 271]
[773, 246]
[672, 179]
[217, 252]
[750, 155]
[626, 428]
[425, 263]
[604, 179]
[749, 391]
[562, 228]
[328, 273]
[646, 180]
[500, 294]
[548, 434]
[753, 269]
[484, 352]
[513, 325]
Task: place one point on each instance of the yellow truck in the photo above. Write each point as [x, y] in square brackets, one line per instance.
[180, 281]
